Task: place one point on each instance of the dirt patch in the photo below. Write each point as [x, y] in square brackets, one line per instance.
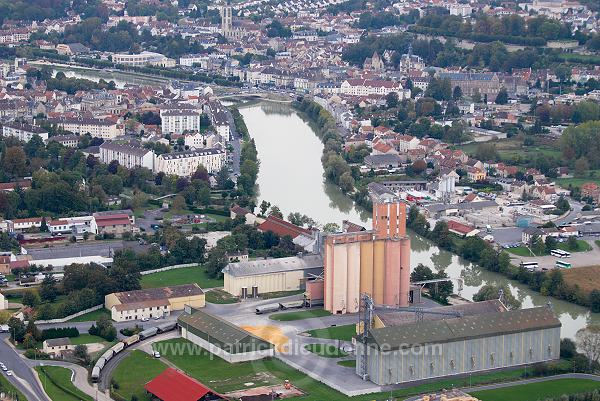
[272, 334]
[266, 393]
[587, 278]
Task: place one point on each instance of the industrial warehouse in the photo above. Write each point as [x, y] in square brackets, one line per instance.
[222, 338]
[458, 345]
[251, 278]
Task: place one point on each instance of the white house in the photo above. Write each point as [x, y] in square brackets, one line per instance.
[184, 164]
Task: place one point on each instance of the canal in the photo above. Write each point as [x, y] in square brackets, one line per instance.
[291, 177]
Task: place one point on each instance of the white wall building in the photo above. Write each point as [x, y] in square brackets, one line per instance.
[176, 121]
[95, 127]
[23, 132]
[184, 164]
[142, 59]
[366, 87]
[128, 156]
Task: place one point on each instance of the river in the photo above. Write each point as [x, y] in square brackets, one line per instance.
[291, 177]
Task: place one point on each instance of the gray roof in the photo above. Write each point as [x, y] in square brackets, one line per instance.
[127, 149]
[266, 266]
[467, 309]
[377, 160]
[58, 342]
[438, 207]
[190, 153]
[463, 328]
[220, 332]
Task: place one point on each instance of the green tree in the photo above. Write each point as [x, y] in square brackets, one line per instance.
[48, 290]
[502, 97]
[595, 300]
[490, 291]
[550, 243]
[392, 100]
[17, 329]
[457, 93]
[31, 298]
[572, 243]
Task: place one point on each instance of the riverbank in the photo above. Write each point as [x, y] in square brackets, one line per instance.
[473, 249]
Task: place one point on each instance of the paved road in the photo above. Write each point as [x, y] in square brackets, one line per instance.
[577, 259]
[100, 248]
[23, 377]
[235, 143]
[522, 382]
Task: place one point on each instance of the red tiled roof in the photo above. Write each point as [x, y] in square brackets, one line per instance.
[112, 221]
[282, 227]
[172, 385]
[459, 227]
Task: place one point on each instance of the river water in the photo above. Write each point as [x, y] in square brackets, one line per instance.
[291, 177]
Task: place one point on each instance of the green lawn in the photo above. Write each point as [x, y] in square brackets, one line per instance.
[92, 316]
[133, 372]
[593, 176]
[326, 351]
[350, 363]
[87, 339]
[279, 294]
[344, 333]
[299, 315]
[185, 275]
[582, 246]
[218, 296]
[538, 391]
[224, 377]
[57, 384]
[7, 387]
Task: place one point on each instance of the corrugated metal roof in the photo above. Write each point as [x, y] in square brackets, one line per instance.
[441, 331]
[220, 332]
[266, 266]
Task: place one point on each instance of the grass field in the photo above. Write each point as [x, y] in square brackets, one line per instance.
[512, 150]
[57, 384]
[350, 363]
[344, 333]
[279, 294]
[87, 339]
[185, 275]
[582, 246]
[299, 315]
[218, 296]
[92, 316]
[224, 377]
[587, 278]
[326, 351]
[133, 372]
[538, 391]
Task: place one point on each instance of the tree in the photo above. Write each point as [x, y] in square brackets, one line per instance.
[48, 291]
[595, 301]
[264, 206]
[572, 243]
[104, 328]
[346, 182]
[331, 228]
[502, 97]
[178, 203]
[81, 352]
[392, 100]
[17, 329]
[457, 93]
[14, 162]
[31, 298]
[490, 291]
[476, 97]
[588, 341]
[568, 348]
[581, 166]
[550, 243]
[275, 211]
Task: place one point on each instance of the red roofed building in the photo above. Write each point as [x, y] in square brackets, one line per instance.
[282, 227]
[461, 229]
[113, 223]
[11, 186]
[172, 385]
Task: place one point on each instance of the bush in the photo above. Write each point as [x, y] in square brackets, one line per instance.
[60, 333]
[36, 354]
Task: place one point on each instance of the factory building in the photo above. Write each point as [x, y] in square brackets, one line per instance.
[254, 277]
[459, 345]
[376, 262]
